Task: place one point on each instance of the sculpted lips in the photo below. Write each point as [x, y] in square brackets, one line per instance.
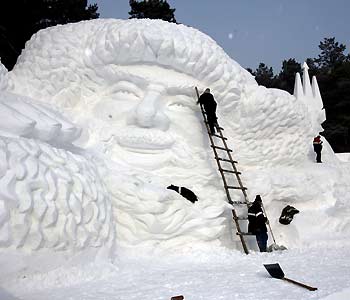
[139, 139]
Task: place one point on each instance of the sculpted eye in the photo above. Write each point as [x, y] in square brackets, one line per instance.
[180, 107]
[177, 105]
[180, 102]
[125, 94]
[124, 89]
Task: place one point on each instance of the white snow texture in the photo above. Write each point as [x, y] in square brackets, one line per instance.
[128, 86]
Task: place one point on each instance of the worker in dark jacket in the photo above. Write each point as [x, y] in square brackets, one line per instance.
[257, 224]
[318, 148]
[209, 105]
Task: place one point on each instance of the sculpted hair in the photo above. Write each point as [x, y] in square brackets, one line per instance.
[89, 46]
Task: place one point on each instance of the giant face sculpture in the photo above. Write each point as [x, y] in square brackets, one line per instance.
[130, 86]
[139, 60]
[137, 84]
[136, 108]
[149, 121]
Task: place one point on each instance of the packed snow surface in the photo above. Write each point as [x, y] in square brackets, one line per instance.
[99, 117]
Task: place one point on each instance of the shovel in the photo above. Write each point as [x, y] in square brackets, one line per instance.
[276, 272]
[273, 246]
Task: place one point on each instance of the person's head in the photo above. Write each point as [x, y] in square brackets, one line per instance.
[207, 90]
[258, 199]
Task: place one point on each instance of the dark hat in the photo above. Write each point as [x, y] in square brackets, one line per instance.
[258, 199]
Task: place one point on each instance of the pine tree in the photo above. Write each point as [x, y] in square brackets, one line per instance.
[332, 55]
[152, 9]
[250, 71]
[313, 69]
[332, 68]
[264, 75]
[286, 77]
[20, 19]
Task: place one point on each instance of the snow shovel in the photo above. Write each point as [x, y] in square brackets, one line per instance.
[276, 272]
[273, 246]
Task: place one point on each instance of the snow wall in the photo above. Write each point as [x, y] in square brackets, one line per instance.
[99, 117]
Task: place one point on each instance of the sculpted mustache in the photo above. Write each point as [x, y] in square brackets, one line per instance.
[142, 138]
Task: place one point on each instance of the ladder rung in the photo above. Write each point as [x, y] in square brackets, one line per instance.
[236, 187]
[241, 218]
[228, 160]
[222, 148]
[230, 171]
[219, 136]
[240, 202]
[244, 233]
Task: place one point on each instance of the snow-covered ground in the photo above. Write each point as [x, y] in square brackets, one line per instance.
[99, 117]
[344, 156]
[197, 274]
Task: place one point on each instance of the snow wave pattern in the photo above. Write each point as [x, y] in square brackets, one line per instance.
[45, 67]
[51, 198]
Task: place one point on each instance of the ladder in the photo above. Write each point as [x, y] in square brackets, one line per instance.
[227, 168]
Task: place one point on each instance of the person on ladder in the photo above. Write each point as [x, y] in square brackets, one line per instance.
[257, 223]
[209, 105]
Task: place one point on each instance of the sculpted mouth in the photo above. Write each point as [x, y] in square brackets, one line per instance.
[144, 140]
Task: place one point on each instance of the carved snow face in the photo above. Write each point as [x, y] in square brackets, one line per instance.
[150, 118]
[142, 110]
[117, 78]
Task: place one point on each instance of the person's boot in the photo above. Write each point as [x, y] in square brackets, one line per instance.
[212, 130]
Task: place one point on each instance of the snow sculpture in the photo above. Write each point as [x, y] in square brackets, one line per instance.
[50, 198]
[129, 84]
[116, 62]
[142, 135]
[23, 117]
[3, 74]
[311, 96]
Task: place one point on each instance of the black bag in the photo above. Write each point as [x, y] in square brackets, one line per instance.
[287, 214]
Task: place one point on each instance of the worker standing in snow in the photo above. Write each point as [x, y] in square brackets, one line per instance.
[257, 224]
[209, 105]
[318, 148]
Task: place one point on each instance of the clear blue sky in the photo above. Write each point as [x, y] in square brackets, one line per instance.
[254, 31]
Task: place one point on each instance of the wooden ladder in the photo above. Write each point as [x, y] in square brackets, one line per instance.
[227, 167]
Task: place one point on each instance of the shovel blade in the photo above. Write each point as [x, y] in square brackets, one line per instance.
[275, 247]
[274, 270]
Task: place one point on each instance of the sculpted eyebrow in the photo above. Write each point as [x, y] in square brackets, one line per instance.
[117, 76]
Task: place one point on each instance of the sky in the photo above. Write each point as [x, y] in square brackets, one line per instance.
[254, 31]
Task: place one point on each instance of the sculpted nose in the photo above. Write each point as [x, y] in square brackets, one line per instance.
[146, 110]
[149, 112]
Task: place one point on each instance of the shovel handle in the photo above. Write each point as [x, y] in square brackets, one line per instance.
[310, 288]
